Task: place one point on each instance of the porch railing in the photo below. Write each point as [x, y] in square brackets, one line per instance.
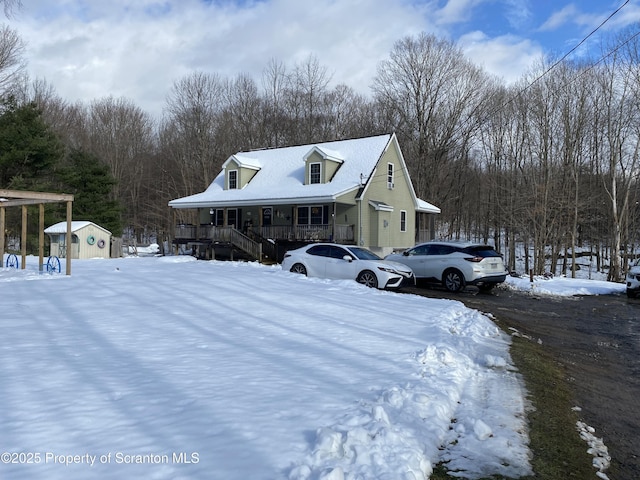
[220, 234]
[318, 233]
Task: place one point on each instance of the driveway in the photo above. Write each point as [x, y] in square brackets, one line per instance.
[597, 339]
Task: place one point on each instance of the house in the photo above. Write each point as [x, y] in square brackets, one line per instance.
[265, 202]
[88, 240]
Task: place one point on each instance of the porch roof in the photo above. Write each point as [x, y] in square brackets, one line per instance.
[426, 207]
[281, 178]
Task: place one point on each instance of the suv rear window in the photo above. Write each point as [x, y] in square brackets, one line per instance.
[481, 251]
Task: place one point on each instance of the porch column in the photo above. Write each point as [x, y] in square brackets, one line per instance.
[333, 226]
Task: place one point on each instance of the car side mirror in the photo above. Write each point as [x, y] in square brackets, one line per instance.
[347, 258]
[405, 253]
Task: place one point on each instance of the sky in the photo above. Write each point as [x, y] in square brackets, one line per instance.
[132, 368]
[90, 49]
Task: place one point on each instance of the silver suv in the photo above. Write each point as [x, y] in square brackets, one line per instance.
[633, 279]
[454, 264]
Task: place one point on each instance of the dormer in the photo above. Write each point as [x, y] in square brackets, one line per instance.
[321, 165]
[238, 171]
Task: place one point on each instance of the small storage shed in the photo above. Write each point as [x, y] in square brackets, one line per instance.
[88, 240]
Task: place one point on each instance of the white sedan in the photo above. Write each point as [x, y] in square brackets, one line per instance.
[330, 260]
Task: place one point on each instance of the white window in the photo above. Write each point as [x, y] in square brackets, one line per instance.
[233, 179]
[314, 173]
[390, 175]
[403, 220]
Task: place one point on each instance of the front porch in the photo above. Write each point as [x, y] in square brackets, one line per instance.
[260, 242]
[311, 233]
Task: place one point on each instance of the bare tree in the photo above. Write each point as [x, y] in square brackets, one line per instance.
[194, 110]
[433, 94]
[619, 149]
[69, 121]
[274, 81]
[304, 101]
[121, 134]
[245, 115]
[12, 64]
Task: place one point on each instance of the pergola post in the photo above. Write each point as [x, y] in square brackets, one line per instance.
[14, 198]
[2, 232]
[23, 239]
[69, 237]
[41, 238]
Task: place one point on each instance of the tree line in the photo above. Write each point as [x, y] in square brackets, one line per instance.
[546, 167]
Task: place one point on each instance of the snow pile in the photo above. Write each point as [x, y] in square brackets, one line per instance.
[168, 368]
[563, 286]
[151, 249]
[452, 401]
[597, 448]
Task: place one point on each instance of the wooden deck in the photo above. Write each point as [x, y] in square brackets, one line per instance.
[261, 242]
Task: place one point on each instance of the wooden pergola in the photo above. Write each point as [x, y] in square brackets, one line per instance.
[18, 198]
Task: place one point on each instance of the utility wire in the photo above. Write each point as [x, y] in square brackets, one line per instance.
[575, 48]
[564, 57]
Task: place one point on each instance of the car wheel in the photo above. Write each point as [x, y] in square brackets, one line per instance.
[368, 278]
[453, 280]
[631, 293]
[299, 268]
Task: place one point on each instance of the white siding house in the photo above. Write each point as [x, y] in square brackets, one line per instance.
[88, 240]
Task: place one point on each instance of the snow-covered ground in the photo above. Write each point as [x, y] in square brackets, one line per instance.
[170, 368]
[564, 286]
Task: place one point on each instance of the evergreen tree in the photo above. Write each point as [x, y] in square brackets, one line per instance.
[91, 183]
[28, 148]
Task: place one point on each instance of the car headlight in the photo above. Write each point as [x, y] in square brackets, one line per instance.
[388, 270]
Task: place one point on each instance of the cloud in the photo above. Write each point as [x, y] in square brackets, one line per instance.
[559, 18]
[507, 57]
[89, 50]
[518, 12]
[455, 11]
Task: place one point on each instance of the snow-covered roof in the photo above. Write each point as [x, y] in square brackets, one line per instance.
[61, 227]
[426, 207]
[325, 153]
[243, 160]
[281, 179]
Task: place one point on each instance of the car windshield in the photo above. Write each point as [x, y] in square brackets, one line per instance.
[363, 253]
[481, 251]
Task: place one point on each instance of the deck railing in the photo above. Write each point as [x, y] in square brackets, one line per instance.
[219, 234]
[318, 233]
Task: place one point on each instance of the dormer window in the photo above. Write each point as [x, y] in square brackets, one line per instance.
[233, 179]
[315, 175]
[239, 170]
[321, 165]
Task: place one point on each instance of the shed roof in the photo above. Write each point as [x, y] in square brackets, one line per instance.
[61, 227]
